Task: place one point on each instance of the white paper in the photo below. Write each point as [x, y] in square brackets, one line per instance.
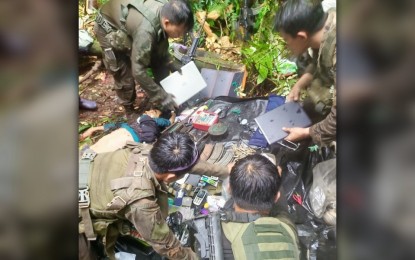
[186, 85]
[124, 256]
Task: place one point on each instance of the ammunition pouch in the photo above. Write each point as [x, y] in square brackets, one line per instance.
[321, 97]
[110, 61]
[119, 40]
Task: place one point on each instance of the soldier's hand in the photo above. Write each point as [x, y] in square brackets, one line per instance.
[296, 133]
[169, 103]
[175, 66]
[294, 94]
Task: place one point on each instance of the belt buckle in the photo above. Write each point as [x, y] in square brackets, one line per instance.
[83, 197]
[89, 155]
[223, 216]
[140, 165]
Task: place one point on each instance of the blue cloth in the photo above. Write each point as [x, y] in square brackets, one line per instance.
[125, 126]
[162, 122]
[258, 139]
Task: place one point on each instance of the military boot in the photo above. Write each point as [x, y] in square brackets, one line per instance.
[130, 114]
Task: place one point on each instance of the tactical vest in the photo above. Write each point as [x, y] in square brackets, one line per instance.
[262, 238]
[320, 90]
[105, 189]
[146, 9]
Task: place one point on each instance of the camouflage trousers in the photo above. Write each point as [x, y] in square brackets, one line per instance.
[124, 83]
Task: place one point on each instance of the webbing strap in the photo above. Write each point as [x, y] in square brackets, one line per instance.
[281, 254]
[86, 220]
[252, 239]
[106, 25]
[270, 228]
[83, 192]
[84, 166]
[136, 165]
[121, 183]
[239, 217]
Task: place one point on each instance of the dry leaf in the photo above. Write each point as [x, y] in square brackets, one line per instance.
[100, 76]
[213, 15]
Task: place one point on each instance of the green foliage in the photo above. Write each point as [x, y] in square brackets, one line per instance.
[83, 126]
[226, 20]
[265, 52]
[101, 2]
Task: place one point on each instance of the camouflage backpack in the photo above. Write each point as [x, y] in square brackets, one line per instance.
[99, 176]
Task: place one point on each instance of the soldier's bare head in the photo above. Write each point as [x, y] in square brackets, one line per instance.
[173, 153]
[177, 18]
[254, 182]
[299, 23]
[300, 15]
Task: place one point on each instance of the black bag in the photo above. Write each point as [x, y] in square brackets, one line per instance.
[148, 130]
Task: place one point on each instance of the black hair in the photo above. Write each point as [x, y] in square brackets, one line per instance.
[165, 113]
[178, 12]
[172, 151]
[300, 15]
[254, 182]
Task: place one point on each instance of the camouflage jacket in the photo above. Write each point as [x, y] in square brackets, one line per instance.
[323, 69]
[149, 43]
[143, 201]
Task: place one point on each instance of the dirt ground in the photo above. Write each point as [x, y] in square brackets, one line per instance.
[98, 87]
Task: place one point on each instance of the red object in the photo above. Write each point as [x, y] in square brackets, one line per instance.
[204, 120]
[298, 198]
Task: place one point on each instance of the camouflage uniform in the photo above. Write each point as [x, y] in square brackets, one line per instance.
[141, 44]
[322, 91]
[118, 197]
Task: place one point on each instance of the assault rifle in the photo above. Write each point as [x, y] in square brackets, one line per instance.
[208, 236]
[189, 56]
[245, 19]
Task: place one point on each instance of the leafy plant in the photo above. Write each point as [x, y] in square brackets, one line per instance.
[266, 51]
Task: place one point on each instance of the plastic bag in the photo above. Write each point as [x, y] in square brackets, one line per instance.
[323, 189]
[297, 180]
[84, 41]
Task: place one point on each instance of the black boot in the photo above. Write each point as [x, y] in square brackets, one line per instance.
[130, 114]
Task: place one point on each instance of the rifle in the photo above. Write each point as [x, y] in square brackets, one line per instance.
[189, 56]
[245, 19]
[208, 234]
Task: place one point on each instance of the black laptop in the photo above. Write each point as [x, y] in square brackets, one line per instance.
[290, 114]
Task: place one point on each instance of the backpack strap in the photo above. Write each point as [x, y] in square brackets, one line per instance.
[232, 216]
[136, 176]
[83, 193]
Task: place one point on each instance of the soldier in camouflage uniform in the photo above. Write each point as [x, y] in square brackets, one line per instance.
[128, 187]
[303, 24]
[134, 36]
